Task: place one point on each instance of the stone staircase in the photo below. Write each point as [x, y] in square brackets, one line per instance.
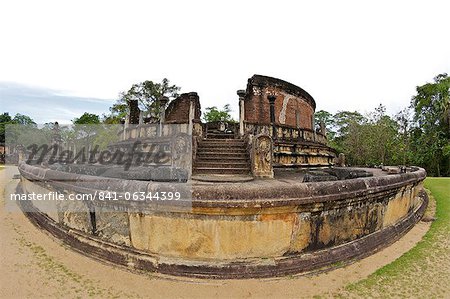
[220, 135]
[223, 156]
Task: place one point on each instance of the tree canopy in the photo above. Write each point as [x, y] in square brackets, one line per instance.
[431, 131]
[417, 135]
[147, 93]
[87, 119]
[6, 119]
[213, 114]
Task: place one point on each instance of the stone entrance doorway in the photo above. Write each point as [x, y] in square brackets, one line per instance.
[222, 130]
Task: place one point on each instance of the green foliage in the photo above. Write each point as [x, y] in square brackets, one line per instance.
[87, 119]
[431, 134]
[365, 140]
[147, 93]
[106, 135]
[417, 135]
[325, 117]
[21, 119]
[18, 119]
[4, 120]
[213, 114]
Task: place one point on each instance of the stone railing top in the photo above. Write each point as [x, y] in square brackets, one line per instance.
[284, 126]
[256, 194]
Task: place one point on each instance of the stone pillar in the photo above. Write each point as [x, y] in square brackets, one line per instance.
[162, 113]
[134, 111]
[313, 127]
[125, 126]
[341, 160]
[261, 156]
[323, 128]
[192, 97]
[241, 93]
[162, 108]
[56, 139]
[272, 98]
[20, 153]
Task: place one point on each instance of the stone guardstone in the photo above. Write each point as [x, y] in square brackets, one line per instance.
[262, 156]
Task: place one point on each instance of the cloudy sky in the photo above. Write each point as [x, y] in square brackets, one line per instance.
[59, 59]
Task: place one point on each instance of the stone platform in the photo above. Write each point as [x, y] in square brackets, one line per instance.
[223, 178]
[260, 228]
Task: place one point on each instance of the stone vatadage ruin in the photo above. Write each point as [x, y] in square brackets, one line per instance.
[262, 197]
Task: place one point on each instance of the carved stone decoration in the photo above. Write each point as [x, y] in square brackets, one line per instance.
[341, 160]
[323, 128]
[21, 152]
[257, 91]
[261, 154]
[181, 152]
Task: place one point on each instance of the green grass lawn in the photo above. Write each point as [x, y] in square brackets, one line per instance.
[422, 272]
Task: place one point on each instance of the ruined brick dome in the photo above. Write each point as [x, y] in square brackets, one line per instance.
[294, 107]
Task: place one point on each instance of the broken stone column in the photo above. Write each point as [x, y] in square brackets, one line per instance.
[341, 160]
[56, 139]
[133, 117]
[272, 98]
[21, 153]
[162, 108]
[192, 98]
[162, 113]
[241, 93]
[261, 156]
[323, 128]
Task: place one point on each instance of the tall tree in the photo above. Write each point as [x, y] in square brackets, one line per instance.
[366, 140]
[431, 107]
[404, 120]
[87, 119]
[213, 114]
[147, 93]
[22, 119]
[5, 119]
[26, 122]
[343, 120]
[327, 119]
[432, 102]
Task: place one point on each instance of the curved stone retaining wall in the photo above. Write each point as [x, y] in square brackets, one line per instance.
[236, 230]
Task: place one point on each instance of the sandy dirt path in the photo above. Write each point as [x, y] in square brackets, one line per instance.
[34, 265]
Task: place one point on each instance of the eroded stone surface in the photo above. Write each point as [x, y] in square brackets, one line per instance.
[238, 223]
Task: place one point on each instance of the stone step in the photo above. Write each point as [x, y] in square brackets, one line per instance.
[224, 158]
[223, 140]
[231, 142]
[220, 135]
[221, 150]
[226, 142]
[216, 170]
[223, 178]
[221, 164]
[221, 156]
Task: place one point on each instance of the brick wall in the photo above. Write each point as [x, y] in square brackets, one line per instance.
[178, 110]
[293, 106]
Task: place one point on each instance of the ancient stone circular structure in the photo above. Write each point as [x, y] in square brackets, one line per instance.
[281, 223]
[236, 230]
